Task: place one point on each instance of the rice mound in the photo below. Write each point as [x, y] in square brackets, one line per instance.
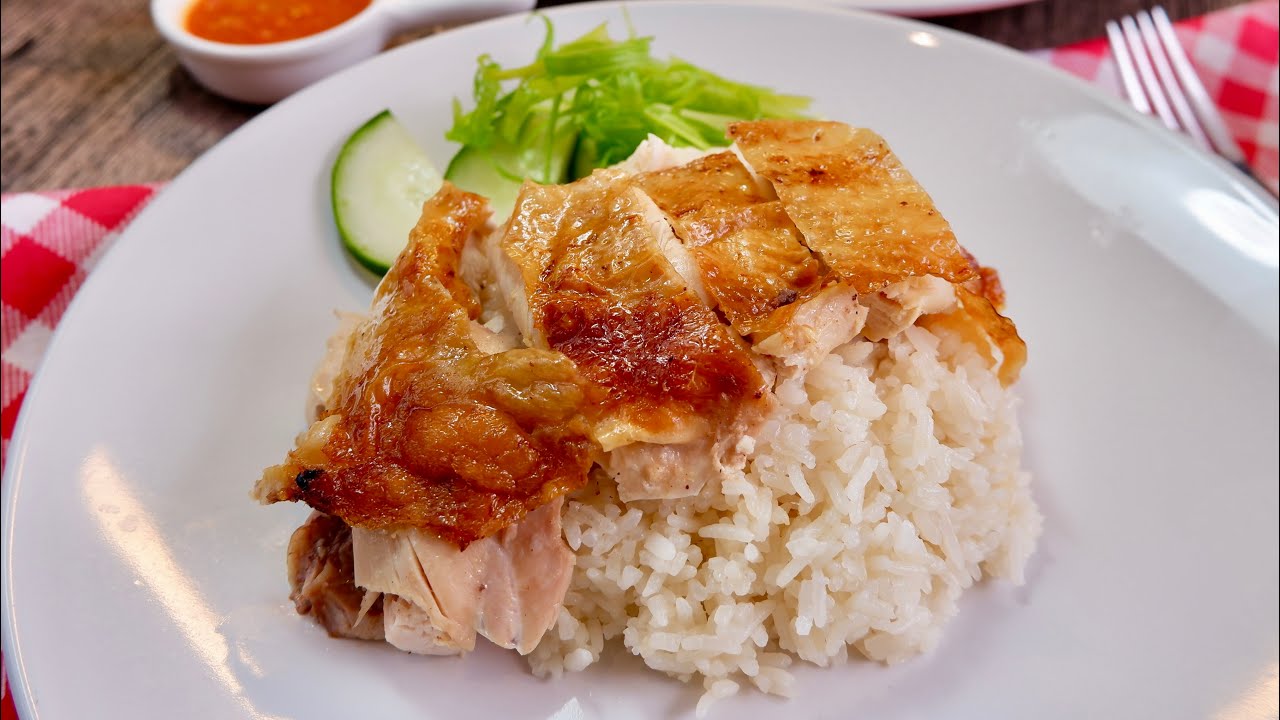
[886, 482]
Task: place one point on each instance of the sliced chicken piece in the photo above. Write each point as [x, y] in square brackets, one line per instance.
[387, 562]
[321, 574]
[601, 291]
[808, 331]
[662, 472]
[898, 306]
[475, 267]
[507, 587]
[413, 629]
[487, 340]
[671, 248]
[439, 238]
[748, 252]
[509, 282]
[423, 428]
[976, 320]
[857, 207]
[490, 342]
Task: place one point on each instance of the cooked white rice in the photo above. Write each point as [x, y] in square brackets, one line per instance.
[886, 483]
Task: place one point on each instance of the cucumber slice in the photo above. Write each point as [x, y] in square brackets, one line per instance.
[476, 171]
[380, 180]
[498, 171]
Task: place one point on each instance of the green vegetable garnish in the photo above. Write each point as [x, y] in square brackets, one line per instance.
[600, 97]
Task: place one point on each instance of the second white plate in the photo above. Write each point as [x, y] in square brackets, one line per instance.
[928, 8]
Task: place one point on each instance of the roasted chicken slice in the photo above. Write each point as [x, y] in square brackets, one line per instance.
[748, 253]
[425, 430]
[448, 220]
[863, 214]
[896, 307]
[987, 284]
[440, 452]
[644, 471]
[599, 289]
[810, 329]
[976, 320]
[507, 587]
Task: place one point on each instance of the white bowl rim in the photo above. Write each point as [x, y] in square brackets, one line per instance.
[168, 16]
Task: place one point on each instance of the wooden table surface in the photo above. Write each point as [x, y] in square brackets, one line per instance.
[91, 95]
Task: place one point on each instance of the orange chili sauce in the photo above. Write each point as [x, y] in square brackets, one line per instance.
[254, 22]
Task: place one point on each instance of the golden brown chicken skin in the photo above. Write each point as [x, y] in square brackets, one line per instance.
[438, 238]
[601, 292]
[749, 253]
[863, 214]
[976, 319]
[423, 429]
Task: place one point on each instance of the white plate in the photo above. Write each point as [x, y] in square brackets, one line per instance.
[928, 8]
[140, 580]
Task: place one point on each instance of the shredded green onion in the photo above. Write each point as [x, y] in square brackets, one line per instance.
[610, 94]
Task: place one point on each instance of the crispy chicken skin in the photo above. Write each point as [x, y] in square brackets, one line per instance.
[438, 239]
[425, 430]
[858, 209]
[879, 234]
[600, 290]
[986, 283]
[976, 319]
[749, 253]
[875, 255]
[659, 304]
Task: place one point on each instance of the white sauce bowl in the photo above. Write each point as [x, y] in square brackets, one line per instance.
[268, 72]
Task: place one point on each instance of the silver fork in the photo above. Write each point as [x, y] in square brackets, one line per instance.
[1158, 79]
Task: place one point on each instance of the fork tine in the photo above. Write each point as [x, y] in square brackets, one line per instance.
[1208, 113]
[1148, 76]
[1174, 92]
[1128, 74]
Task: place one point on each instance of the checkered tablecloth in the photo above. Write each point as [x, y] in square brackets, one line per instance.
[1235, 53]
[51, 240]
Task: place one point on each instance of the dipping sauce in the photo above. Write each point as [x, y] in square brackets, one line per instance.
[254, 22]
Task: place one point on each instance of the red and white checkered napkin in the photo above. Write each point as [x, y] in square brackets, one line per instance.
[49, 243]
[51, 240]
[1235, 52]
